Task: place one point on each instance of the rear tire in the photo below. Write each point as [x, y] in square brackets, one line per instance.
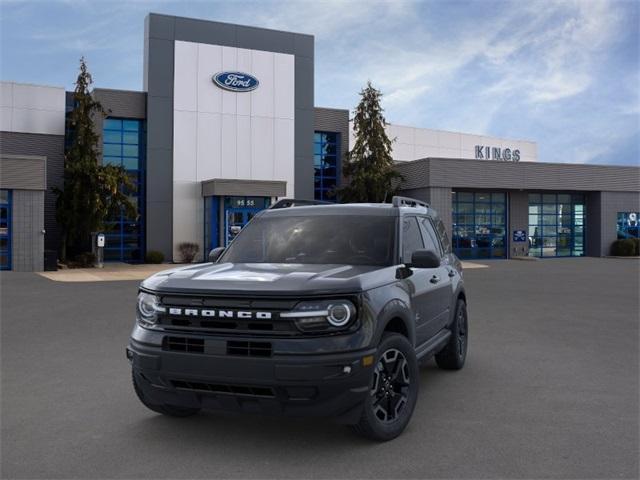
[454, 354]
[164, 409]
[394, 390]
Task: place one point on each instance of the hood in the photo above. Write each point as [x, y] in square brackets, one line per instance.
[270, 278]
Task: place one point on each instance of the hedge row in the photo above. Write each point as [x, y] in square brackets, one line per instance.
[629, 247]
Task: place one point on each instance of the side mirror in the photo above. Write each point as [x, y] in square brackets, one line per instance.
[424, 259]
[214, 254]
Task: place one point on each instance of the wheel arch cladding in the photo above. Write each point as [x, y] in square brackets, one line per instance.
[396, 317]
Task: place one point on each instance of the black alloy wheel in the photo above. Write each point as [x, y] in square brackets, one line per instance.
[454, 354]
[390, 389]
[393, 391]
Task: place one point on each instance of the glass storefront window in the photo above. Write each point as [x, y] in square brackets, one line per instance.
[479, 224]
[628, 225]
[556, 225]
[123, 145]
[5, 229]
[326, 164]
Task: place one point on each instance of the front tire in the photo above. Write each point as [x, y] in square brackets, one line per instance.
[454, 354]
[164, 409]
[394, 390]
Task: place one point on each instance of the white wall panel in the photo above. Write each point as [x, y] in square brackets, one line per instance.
[209, 63]
[425, 151]
[32, 108]
[229, 63]
[415, 143]
[469, 143]
[243, 147]
[222, 134]
[262, 98]
[36, 97]
[448, 152]
[185, 91]
[36, 121]
[243, 102]
[184, 145]
[229, 147]
[284, 85]
[426, 137]
[528, 149]
[5, 119]
[262, 148]
[401, 134]
[209, 146]
[449, 140]
[6, 94]
[403, 151]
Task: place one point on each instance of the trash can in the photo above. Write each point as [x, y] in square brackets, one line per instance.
[50, 260]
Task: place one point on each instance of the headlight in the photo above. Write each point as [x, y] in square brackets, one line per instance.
[148, 309]
[323, 315]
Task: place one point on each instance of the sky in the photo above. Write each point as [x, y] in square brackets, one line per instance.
[563, 74]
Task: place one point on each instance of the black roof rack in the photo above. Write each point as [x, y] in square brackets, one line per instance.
[295, 202]
[408, 202]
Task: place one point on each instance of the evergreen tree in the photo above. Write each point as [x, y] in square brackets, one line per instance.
[369, 165]
[91, 192]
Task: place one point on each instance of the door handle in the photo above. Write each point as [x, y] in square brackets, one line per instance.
[435, 279]
[452, 273]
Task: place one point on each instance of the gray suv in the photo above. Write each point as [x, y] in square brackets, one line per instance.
[311, 310]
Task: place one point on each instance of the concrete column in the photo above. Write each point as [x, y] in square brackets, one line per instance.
[518, 220]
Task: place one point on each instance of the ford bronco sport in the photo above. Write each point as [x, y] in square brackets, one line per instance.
[311, 310]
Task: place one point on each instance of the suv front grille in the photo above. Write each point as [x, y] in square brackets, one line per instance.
[183, 344]
[245, 390]
[273, 326]
[199, 345]
[249, 349]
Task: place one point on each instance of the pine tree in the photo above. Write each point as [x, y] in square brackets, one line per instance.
[369, 165]
[92, 192]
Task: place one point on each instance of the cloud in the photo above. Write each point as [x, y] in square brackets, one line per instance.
[563, 73]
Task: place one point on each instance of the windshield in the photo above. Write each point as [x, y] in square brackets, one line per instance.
[340, 239]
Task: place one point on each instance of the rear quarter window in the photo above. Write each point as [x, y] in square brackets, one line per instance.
[442, 234]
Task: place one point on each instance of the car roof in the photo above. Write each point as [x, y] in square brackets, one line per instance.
[371, 209]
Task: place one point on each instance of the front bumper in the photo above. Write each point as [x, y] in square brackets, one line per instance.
[327, 384]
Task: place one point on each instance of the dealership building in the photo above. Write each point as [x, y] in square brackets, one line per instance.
[226, 124]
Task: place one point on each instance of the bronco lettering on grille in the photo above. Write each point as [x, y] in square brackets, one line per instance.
[209, 313]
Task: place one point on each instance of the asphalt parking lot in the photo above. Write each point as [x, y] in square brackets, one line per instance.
[550, 390]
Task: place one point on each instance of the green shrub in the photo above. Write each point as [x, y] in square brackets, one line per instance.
[153, 256]
[188, 251]
[636, 242]
[625, 248]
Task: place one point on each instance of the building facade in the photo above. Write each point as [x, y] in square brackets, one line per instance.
[226, 125]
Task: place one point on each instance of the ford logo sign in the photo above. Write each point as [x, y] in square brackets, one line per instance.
[236, 81]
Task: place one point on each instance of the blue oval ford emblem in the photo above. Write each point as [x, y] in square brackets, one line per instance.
[236, 81]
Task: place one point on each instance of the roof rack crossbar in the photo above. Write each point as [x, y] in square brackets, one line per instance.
[398, 201]
[296, 202]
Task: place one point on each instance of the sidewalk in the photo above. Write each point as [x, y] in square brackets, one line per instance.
[112, 272]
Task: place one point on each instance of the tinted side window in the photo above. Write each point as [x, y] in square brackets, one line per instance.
[411, 238]
[430, 239]
[442, 233]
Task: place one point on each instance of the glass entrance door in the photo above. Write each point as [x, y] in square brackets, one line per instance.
[237, 213]
[479, 224]
[5, 229]
[556, 224]
[235, 220]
